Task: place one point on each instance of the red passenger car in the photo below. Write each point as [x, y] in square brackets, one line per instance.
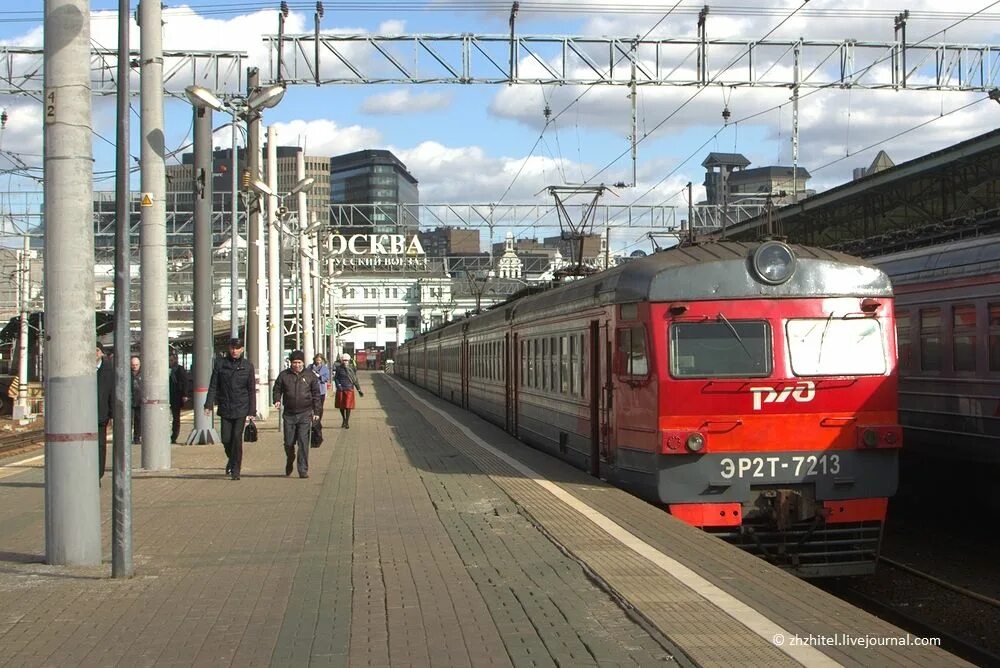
[748, 388]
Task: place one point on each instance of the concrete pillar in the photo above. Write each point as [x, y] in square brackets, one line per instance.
[72, 503]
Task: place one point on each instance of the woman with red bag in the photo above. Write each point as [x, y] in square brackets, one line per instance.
[345, 379]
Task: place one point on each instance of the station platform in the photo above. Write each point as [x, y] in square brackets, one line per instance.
[423, 536]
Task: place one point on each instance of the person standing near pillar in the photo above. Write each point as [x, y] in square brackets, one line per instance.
[178, 395]
[322, 372]
[136, 365]
[297, 391]
[234, 384]
[105, 406]
[345, 379]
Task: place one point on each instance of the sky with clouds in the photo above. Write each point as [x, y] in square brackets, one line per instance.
[478, 143]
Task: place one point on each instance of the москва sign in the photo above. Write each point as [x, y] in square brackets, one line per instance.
[376, 244]
[378, 251]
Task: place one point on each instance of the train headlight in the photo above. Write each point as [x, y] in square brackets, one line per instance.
[695, 442]
[773, 262]
[869, 437]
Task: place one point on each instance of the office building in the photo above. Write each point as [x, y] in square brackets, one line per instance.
[383, 194]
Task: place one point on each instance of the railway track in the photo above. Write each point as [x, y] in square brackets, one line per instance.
[11, 443]
[928, 608]
[892, 563]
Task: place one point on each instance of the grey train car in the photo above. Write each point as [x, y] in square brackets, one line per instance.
[948, 333]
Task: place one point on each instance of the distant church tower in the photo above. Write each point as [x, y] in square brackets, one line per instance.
[509, 265]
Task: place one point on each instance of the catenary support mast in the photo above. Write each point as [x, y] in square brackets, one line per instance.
[155, 403]
[72, 503]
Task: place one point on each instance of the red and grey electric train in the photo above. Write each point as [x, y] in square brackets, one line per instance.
[750, 388]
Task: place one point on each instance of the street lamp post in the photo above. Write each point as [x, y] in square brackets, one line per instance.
[203, 432]
[280, 225]
[249, 109]
[329, 285]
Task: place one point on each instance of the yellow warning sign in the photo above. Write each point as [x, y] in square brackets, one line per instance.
[147, 199]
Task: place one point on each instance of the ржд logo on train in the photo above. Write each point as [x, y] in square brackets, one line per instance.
[803, 392]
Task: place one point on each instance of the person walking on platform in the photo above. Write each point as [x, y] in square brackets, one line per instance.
[235, 385]
[297, 391]
[345, 379]
[178, 395]
[105, 407]
[136, 364]
[322, 372]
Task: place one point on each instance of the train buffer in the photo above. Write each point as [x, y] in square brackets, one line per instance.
[422, 536]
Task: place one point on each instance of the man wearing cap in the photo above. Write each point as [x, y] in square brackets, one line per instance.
[297, 391]
[234, 383]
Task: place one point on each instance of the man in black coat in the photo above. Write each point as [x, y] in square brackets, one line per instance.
[136, 364]
[178, 395]
[234, 384]
[297, 389]
[105, 406]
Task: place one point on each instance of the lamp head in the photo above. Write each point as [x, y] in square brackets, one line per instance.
[265, 98]
[304, 184]
[261, 187]
[203, 98]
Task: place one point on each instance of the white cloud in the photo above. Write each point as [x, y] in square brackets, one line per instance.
[326, 138]
[402, 101]
[395, 27]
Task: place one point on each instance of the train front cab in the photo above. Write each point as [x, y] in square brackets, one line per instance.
[778, 428]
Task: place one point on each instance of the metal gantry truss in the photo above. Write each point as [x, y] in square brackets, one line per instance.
[497, 59]
[524, 217]
[21, 213]
[224, 72]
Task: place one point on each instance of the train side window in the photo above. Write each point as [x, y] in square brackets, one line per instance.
[554, 363]
[564, 364]
[904, 349]
[546, 369]
[632, 360]
[524, 361]
[531, 363]
[964, 336]
[930, 339]
[574, 365]
[994, 337]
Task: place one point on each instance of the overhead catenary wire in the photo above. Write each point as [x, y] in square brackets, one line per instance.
[696, 93]
[963, 18]
[554, 118]
[220, 7]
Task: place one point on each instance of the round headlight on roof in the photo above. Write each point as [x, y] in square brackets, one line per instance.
[773, 262]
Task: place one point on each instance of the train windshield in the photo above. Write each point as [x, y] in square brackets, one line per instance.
[725, 348]
[836, 347]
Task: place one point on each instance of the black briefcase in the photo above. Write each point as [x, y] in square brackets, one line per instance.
[250, 432]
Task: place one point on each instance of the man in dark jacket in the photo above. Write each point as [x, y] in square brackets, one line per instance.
[297, 389]
[136, 365]
[105, 406]
[235, 385]
[178, 395]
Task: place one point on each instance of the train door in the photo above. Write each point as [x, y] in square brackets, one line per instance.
[464, 373]
[425, 358]
[508, 386]
[515, 375]
[600, 398]
[437, 370]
